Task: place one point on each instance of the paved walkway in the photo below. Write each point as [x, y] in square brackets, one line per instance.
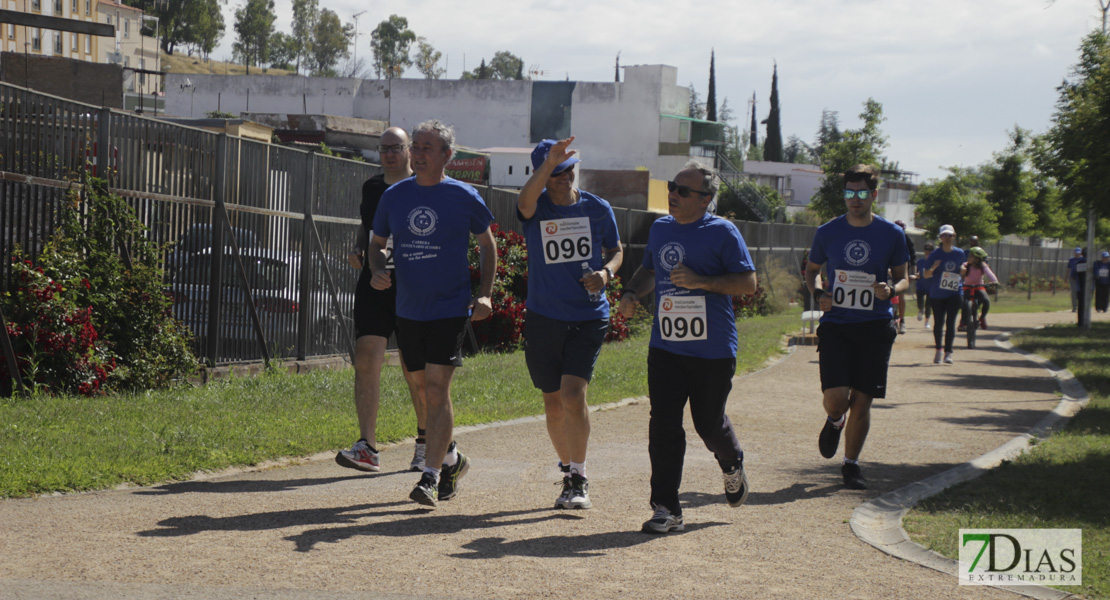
[315, 530]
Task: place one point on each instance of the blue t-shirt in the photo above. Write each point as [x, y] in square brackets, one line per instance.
[855, 258]
[1102, 272]
[560, 239]
[431, 227]
[1073, 263]
[946, 278]
[923, 282]
[695, 322]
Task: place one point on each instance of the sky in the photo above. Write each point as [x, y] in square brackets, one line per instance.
[954, 77]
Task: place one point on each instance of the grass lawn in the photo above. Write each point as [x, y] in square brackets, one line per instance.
[1014, 301]
[74, 443]
[1063, 482]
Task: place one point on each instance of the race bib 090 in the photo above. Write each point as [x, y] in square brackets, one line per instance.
[682, 318]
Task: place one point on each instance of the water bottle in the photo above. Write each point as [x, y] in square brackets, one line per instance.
[586, 270]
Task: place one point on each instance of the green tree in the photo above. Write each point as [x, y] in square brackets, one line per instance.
[772, 150]
[254, 24]
[711, 98]
[426, 58]
[197, 24]
[1010, 186]
[864, 145]
[958, 200]
[283, 51]
[742, 199]
[390, 42]
[306, 14]
[697, 109]
[331, 42]
[796, 151]
[506, 65]
[828, 132]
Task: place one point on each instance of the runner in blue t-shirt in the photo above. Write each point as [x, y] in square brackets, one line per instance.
[431, 218]
[695, 262]
[857, 331]
[923, 284]
[945, 293]
[1102, 282]
[573, 251]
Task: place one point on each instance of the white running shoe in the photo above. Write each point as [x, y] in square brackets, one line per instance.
[417, 463]
[360, 457]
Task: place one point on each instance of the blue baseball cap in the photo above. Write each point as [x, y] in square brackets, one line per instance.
[540, 154]
[1078, 250]
[1105, 254]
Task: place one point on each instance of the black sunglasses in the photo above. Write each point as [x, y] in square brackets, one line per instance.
[684, 190]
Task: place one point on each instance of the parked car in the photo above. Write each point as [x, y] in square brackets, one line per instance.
[198, 238]
[274, 280]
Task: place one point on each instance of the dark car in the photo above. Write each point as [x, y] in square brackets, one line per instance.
[199, 238]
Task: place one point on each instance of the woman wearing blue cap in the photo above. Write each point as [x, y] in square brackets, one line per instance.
[573, 251]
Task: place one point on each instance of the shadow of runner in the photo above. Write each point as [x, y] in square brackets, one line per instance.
[566, 546]
[193, 524]
[238, 486]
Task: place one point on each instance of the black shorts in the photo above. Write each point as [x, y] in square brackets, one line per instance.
[437, 342]
[375, 310]
[856, 355]
[554, 348]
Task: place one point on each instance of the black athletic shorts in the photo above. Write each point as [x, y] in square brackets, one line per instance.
[856, 355]
[554, 348]
[375, 310]
[437, 342]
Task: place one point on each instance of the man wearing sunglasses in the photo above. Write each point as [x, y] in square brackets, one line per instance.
[857, 328]
[573, 250]
[375, 318]
[695, 262]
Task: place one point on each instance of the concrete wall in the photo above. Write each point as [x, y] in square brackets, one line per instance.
[622, 189]
[78, 80]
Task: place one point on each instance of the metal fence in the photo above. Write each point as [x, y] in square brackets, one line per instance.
[268, 226]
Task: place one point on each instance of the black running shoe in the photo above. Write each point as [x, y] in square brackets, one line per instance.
[853, 477]
[579, 494]
[829, 439]
[449, 477]
[736, 485]
[425, 492]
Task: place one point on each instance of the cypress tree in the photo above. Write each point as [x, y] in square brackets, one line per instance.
[772, 150]
[754, 127]
[711, 99]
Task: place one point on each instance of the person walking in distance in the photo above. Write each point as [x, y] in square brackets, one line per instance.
[1102, 282]
[375, 317]
[432, 218]
[857, 329]
[694, 262]
[573, 250]
[945, 294]
[923, 283]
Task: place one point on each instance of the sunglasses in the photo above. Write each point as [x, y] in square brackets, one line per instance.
[684, 191]
[861, 194]
[566, 171]
[394, 149]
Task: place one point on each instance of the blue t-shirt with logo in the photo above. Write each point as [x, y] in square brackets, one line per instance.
[946, 278]
[560, 239]
[855, 258]
[695, 322]
[1102, 272]
[923, 282]
[431, 227]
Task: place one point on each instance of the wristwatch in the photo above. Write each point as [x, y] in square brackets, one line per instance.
[817, 293]
[609, 271]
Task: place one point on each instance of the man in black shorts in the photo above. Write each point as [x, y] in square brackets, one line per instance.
[857, 329]
[376, 318]
[432, 218]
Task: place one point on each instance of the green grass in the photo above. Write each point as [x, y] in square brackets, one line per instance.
[1063, 482]
[74, 443]
[1014, 301]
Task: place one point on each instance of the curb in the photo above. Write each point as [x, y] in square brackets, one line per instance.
[878, 522]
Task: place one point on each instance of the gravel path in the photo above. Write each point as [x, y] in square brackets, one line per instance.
[315, 530]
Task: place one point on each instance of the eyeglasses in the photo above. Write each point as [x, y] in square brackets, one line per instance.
[861, 194]
[684, 191]
[394, 149]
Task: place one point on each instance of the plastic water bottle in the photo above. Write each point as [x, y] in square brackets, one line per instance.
[586, 270]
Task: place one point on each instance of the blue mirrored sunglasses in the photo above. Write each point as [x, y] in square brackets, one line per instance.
[861, 194]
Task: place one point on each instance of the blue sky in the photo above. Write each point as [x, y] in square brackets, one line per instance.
[953, 76]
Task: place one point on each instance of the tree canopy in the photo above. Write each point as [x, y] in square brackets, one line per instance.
[306, 13]
[957, 200]
[331, 42]
[855, 146]
[390, 42]
[254, 25]
[426, 58]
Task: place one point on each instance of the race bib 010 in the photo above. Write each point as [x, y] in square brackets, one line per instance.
[852, 290]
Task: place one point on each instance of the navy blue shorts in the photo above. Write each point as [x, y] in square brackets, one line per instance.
[554, 348]
[856, 355]
[437, 342]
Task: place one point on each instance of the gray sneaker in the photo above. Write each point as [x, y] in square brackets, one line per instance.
[662, 521]
[579, 496]
[736, 486]
[563, 501]
[947, 358]
[418, 453]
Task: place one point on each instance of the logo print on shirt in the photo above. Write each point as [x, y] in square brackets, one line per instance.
[552, 228]
[857, 252]
[671, 254]
[950, 265]
[422, 221]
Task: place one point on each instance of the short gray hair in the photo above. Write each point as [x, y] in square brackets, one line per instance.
[444, 132]
[709, 182]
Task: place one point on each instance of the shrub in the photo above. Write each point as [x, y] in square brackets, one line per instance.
[1020, 281]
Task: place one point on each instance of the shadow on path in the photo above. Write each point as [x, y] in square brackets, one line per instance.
[566, 546]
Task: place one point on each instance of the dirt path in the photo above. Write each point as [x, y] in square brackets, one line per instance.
[315, 530]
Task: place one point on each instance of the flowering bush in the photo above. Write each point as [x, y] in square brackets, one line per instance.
[1020, 281]
[505, 327]
[755, 305]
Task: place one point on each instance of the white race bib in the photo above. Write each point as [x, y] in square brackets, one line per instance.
[566, 240]
[950, 280]
[1081, 267]
[1104, 272]
[388, 251]
[682, 318]
[852, 290]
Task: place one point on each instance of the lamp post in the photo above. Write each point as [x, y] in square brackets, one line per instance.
[355, 17]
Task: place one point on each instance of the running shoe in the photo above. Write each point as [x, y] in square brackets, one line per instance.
[563, 501]
[662, 521]
[425, 491]
[418, 453]
[938, 357]
[927, 325]
[853, 477]
[983, 323]
[948, 358]
[902, 326]
[579, 495]
[360, 457]
[449, 477]
[736, 485]
[962, 326]
[920, 316]
[829, 439]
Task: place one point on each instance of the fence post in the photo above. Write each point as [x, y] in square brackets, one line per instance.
[215, 275]
[308, 190]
